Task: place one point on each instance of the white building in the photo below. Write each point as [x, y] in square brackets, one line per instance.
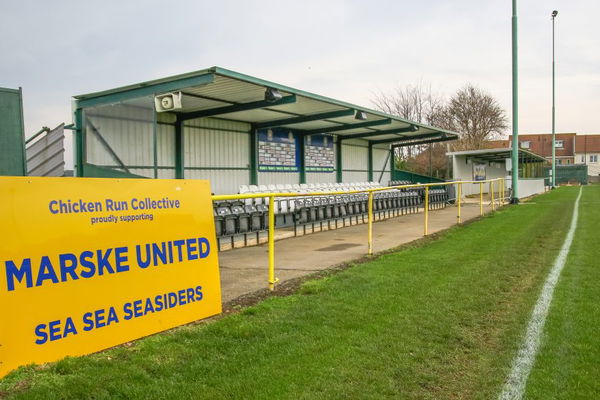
[478, 165]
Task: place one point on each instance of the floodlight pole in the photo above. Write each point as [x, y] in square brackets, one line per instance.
[515, 108]
[554, 14]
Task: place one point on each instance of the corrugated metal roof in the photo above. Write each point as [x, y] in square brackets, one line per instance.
[499, 154]
[227, 88]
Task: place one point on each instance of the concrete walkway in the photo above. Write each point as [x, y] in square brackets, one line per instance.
[245, 270]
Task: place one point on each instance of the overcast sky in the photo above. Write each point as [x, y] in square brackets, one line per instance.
[343, 49]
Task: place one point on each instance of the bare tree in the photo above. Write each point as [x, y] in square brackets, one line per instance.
[415, 103]
[471, 112]
[475, 115]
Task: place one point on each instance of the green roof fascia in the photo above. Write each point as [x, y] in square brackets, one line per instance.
[262, 82]
[143, 89]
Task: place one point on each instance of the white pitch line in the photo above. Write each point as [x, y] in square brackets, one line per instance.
[514, 387]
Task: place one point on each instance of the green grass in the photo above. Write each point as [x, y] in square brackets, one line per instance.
[437, 321]
[568, 364]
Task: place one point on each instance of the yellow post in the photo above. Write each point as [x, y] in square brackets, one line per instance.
[481, 198]
[426, 209]
[492, 194]
[272, 279]
[503, 182]
[370, 215]
[458, 199]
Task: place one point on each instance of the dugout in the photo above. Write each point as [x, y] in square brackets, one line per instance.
[235, 129]
[479, 165]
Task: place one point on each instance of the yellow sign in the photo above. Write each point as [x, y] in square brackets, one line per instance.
[86, 264]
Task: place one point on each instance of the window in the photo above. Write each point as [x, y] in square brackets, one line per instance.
[559, 161]
[559, 144]
[582, 159]
[593, 158]
[525, 145]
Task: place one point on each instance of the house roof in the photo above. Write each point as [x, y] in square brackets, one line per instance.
[587, 144]
[231, 95]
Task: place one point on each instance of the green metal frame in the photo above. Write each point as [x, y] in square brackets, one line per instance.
[147, 89]
[302, 161]
[338, 160]
[179, 150]
[253, 144]
[370, 162]
[237, 107]
[80, 154]
[207, 76]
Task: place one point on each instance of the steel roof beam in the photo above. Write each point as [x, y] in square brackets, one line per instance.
[305, 118]
[427, 141]
[412, 128]
[424, 136]
[345, 127]
[236, 108]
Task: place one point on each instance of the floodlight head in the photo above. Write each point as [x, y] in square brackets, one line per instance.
[272, 95]
[554, 13]
[360, 115]
[414, 128]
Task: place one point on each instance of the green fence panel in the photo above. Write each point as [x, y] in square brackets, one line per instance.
[577, 173]
[401, 175]
[12, 135]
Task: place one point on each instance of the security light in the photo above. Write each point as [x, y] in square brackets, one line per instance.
[361, 115]
[272, 95]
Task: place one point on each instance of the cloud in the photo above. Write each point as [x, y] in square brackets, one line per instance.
[342, 49]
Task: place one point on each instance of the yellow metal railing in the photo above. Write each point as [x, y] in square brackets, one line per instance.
[273, 280]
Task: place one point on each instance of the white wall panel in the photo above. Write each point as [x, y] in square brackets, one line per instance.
[320, 177]
[353, 176]
[216, 148]
[165, 137]
[221, 181]
[166, 173]
[267, 178]
[354, 157]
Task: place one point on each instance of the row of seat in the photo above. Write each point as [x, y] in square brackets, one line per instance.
[232, 218]
[399, 183]
[240, 217]
[324, 208]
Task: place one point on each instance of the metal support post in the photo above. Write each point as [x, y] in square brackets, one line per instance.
[370, 219]
[272, 279]
[458, 200]
[492, 194]
[426, 211]
[480, 198]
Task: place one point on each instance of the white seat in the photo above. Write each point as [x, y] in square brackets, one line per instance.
[244, 189]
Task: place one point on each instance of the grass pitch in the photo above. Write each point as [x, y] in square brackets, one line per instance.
[435, 321]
